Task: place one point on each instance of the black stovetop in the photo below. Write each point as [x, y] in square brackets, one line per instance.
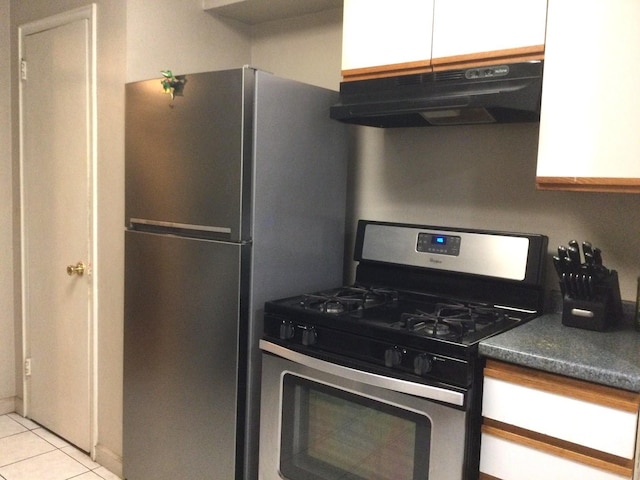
[381, 311]
[423, 299]
[419, 335]
[412, 313]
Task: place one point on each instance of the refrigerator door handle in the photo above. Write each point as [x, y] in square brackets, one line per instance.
[184, 229]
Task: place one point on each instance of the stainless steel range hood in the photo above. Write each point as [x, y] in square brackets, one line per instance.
[505, 93]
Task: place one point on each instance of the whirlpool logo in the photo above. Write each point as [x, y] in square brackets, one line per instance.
[434, 260]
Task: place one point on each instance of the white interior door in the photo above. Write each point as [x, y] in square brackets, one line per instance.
[57, 128]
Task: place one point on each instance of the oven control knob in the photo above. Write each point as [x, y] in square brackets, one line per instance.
[422, 364]
[287, 330]
[392, 357]
[309, 336]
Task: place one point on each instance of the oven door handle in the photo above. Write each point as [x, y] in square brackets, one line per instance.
[389, 383]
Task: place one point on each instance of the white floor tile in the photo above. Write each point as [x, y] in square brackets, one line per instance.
[88, 476]
[25, 422]
[80, 456]
[106, 474]
[20, 446]
[48, 466]
[54, 440]
[9, 427]
[30, 452]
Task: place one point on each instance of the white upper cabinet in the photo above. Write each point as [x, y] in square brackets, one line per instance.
[390, 37]
[394, 34]
[590, 117]
[476, 29]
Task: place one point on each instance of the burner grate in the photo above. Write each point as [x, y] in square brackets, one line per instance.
[450, 321]
[348, 299]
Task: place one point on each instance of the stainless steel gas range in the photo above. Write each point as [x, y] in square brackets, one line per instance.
[381, 380]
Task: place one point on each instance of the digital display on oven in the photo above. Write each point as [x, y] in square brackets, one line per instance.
[438, 243]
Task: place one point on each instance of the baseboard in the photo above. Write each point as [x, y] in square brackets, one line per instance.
[7, 405]
[109, 460]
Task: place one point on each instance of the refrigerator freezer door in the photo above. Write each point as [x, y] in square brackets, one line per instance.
[185, 155]
[180, 357]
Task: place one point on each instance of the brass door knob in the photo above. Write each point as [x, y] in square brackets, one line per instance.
[77, 269]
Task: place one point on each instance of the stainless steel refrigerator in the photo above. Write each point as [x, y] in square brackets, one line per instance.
[235, 194]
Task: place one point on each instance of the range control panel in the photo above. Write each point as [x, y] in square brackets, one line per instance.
[437, 243]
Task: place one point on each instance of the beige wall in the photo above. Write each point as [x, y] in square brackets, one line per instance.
[7, 335]
[483, 176]
[181, 37]
[306, 48]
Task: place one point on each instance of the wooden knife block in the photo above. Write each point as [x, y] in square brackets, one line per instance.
[601, 312]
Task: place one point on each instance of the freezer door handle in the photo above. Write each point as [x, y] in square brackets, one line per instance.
[157, 226]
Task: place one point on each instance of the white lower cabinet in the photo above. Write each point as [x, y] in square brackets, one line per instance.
[506, 459]
[538, 425]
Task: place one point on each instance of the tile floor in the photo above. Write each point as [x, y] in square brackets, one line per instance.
[30, 452]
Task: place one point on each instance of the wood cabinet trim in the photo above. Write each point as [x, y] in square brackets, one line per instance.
[589, 184]
[479, 59]
[560, 448]
[590, 392]
[471, 60]
[408, 68]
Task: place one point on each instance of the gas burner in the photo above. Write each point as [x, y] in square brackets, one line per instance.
[442, 329]
[450, 321]
[333, 307]
[348, 299]
[433, 325]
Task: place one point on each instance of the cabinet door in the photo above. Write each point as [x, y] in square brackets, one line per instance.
[472, 32]
[536, 423]
[510, 459]
[566, 414]
[590, 116]
[382, 37]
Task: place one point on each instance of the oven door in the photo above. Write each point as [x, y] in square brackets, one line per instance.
[324, 421]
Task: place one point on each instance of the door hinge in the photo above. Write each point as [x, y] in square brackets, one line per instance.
[23, 69]
[27, 367]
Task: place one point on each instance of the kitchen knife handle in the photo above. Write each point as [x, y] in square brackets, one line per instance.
[574, 255]
[588, 258]
[562, 251]
[566, 286]
[557, 264]
[597, 256]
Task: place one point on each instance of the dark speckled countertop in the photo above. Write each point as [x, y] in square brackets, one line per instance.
[610, 358]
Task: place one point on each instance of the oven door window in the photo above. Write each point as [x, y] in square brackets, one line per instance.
[331, 434]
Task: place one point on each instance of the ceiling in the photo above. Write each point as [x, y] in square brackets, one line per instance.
[259, 11]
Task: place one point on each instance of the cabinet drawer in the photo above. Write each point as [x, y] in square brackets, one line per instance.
[504, 459]
[597, 417]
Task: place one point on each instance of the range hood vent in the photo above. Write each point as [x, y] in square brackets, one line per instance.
[505, 93]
